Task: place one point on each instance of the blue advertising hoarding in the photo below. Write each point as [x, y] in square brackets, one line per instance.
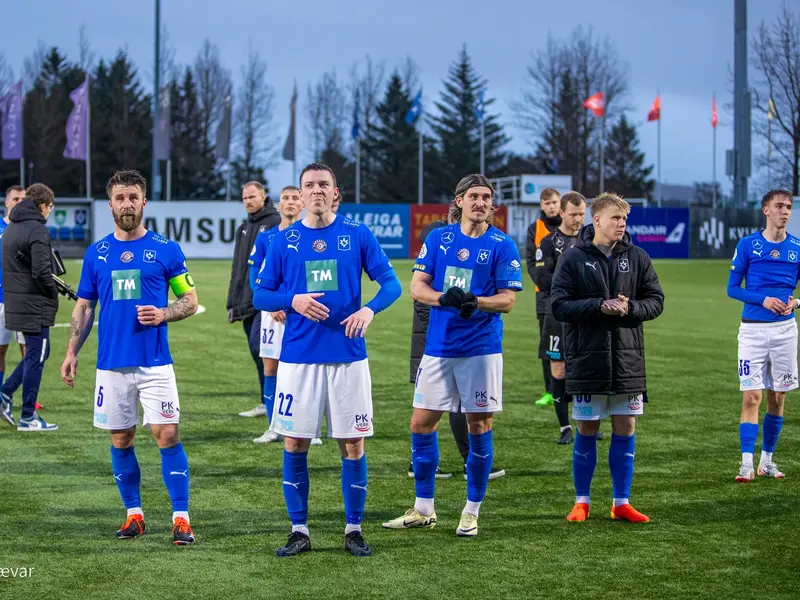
[661, 232]
[389, 223]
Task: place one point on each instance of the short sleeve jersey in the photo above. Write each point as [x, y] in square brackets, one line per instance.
[480, 265]
[124, 275]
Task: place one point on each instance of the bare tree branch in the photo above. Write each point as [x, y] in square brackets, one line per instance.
[6, 74]
[32, 66]
[213, 86]
[254, 113]
[326, 109]
[86, 55]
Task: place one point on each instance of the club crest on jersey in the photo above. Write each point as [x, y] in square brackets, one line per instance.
[793, 255]
[483, 256]
[463, 254]
[624, 266]
[423, 252]
[103, 246]
[262, 229]
[344, 242]
[150, 256]
[319, 246]
[775, 254]
[539, 254]
[126, 256]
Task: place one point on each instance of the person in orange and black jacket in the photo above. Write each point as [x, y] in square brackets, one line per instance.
[548, 221]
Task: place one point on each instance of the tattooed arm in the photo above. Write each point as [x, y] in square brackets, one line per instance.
[184, 306]
[82, 321]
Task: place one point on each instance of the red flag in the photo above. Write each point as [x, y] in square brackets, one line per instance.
[714, 119]
[655, 110]
[596, 103]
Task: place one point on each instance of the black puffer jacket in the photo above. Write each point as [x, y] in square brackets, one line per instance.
[240, 295]
[537, 231]
[422, 316]
[31, 297]
[605, 354]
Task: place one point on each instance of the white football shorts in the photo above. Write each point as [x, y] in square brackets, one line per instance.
[473, 384]
[341, 392]
[118, 393]
[5, 334]
[271, 336]
[768, 356]
[593, 407]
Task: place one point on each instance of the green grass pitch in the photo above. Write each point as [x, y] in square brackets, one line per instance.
[709, 538]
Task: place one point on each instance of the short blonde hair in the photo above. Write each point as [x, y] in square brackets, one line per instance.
[607, 199]
[256, 184]
[548, 193]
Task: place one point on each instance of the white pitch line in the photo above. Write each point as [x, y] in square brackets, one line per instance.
[200, 309]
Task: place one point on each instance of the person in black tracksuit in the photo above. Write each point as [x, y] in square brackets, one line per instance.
[261, 215]
[419, 332]
[31, 301]
[604, 288]
[551, 346]
[548, 221]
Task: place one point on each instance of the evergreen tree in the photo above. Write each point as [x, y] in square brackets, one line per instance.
[625, 171]
[456, 129]
[190, 173]
[392, 147]
[122, 122]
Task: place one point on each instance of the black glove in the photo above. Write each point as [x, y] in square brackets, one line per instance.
[469, 306]
[453, 297]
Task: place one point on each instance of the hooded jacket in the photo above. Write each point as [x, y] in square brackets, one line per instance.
[605, 353]
[31, 296]
[240, 294]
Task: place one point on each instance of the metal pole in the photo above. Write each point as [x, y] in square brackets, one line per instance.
[88, 140]
[156, 101]
[169, 180]
[659, 160]
[741, 105]
[603, 154]
[483, 152]
[714, 166]
[419, 175]
[228, 184]
[22, 171]
[358, 171]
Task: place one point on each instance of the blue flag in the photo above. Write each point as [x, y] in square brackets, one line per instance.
[416, 109]
[480, 108]
[356, 133]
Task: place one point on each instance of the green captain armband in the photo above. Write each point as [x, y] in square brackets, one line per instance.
[181, 284]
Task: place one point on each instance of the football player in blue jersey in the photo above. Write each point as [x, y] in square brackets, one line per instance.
[272, 324]
[469, 273]
[768, 263]
[313, 272]
[130, 272]
[13, 196]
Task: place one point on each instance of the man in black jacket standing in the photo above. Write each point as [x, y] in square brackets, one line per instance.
[604, 288]
[31, 301]
[261, 215]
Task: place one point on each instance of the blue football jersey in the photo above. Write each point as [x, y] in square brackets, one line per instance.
[259, 253]
[480, 265]
[122, 276]
[329, 261]
[3, 226]
[769, 269]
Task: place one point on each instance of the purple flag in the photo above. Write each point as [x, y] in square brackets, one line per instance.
[77, 130]
[12, 123]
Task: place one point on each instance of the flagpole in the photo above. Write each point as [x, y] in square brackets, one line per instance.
[358, 170]
[483, 145]
[714, 160]
[658, 151]
[228, 184]
[22, 171]
[88, 140]
[294, 137]
[156, 101]
[169, 180]
[603, 153]
[419, 175]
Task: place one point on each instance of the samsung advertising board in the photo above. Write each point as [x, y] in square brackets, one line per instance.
[388, 222]
[203, 229]
[661, 232]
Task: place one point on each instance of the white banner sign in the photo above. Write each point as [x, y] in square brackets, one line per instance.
[532, 186]
[203, 229]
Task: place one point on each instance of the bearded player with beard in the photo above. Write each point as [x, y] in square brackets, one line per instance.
[130, 272]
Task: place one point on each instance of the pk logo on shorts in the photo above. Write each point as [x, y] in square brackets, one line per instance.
[126, 284]
[322, 276]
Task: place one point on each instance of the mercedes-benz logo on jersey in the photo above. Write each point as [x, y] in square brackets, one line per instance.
[757, 244]
[126, 256]
[103, 246]
[293, 235]
[448, 237]
[463, 254]
[624, 267]
[559, 241]
[319, 246]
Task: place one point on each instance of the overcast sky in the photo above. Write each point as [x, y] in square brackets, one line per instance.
[684, 48]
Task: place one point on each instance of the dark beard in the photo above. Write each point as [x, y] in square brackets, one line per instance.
[128, 221]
